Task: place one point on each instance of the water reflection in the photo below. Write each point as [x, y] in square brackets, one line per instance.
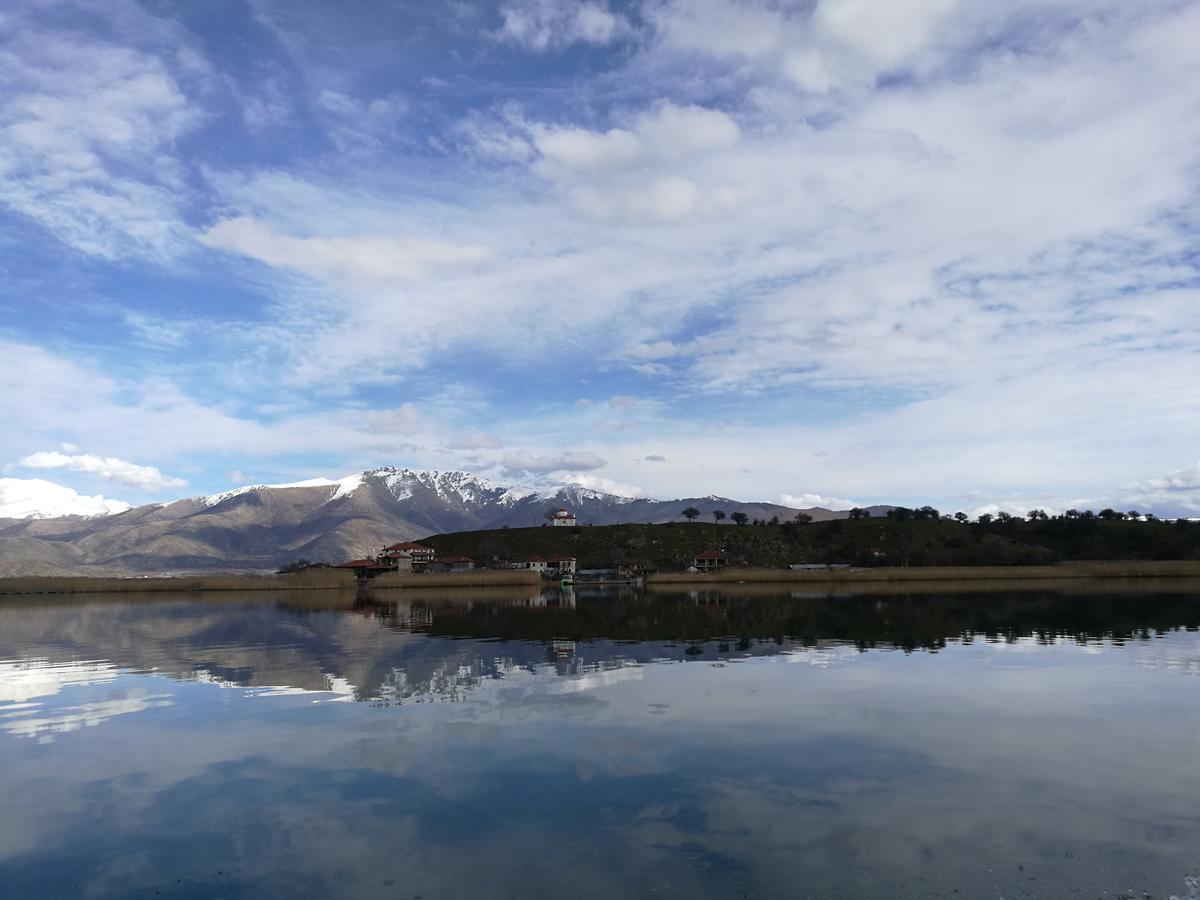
[622, 744]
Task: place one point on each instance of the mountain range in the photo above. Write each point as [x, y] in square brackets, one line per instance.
[260, 527]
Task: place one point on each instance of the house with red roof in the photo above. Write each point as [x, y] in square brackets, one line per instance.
[709, 561]
[453, 564]
[562, 564]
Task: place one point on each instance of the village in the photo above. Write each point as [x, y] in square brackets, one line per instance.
[409, 557]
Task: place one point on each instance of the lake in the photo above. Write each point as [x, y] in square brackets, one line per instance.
[602, 745]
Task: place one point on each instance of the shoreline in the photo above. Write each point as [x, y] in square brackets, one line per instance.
[343, 580]
[894, 574]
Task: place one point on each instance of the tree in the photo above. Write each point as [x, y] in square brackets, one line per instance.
[1036, 515]
[718, 515]
[690, 513]
[774, 520]
[985, 519]
[802, 518]
[961, 517]
[739, 518]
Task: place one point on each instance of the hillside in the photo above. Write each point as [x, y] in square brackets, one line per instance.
[864, 542]
[260, 527]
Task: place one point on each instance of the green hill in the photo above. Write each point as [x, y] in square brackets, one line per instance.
[863, 542]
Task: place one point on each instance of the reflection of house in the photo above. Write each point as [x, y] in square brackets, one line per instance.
[561, 564]
[709, 561]
[454, 564]
[562, 517]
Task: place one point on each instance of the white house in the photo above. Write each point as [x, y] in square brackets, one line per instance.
[562, 518]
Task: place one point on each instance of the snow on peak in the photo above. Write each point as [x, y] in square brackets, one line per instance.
[36, 498]
[214, 499]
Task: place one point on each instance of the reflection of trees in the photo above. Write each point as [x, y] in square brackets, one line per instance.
[905, 621]
[434, 648]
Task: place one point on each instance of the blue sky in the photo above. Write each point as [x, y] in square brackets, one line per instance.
[821, 252]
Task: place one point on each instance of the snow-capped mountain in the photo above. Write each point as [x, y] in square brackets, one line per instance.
[257, 527]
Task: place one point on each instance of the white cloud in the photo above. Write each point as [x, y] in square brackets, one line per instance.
[476, 440]
[520, 462]
[553, 24]
[807, 501]
[667, 133]
[403, 419]
[605, 485]
[367, 257]
[1175, 492]
[23, 498]
[87, 140]
[144, 478]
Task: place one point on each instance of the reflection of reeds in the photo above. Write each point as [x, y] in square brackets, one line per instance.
[972, 574]
[486, 578]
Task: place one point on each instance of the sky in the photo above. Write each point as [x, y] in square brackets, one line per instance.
[830, 252]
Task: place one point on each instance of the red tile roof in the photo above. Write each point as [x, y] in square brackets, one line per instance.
[535, 559]
[361, 564]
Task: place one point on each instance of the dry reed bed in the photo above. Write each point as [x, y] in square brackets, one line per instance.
[309, 580]
[312, 580]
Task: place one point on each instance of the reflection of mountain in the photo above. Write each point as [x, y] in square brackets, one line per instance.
[438, 649]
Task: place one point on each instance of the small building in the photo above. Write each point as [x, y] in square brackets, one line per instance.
[535, 564]
[709, 561]
[562, 518]
[364, 568]
[396, 560]
[454, 563]
[563, 565]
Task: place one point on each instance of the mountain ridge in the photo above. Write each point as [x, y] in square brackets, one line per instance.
[260, 527]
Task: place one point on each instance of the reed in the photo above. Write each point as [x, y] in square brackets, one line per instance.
[308, 580]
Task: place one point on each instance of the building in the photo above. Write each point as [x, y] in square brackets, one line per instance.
[535, 564]
[563, 518]
[454, 564]
[396, 560]
[407, 557]
[364, 568]
[563, 565]
[418, 553]
[709, 561]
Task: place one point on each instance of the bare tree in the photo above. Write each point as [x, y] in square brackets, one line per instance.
[718, 515]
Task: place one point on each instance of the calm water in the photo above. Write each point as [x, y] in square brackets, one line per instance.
[606, 745]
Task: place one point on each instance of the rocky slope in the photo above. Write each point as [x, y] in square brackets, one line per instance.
[262, 527]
